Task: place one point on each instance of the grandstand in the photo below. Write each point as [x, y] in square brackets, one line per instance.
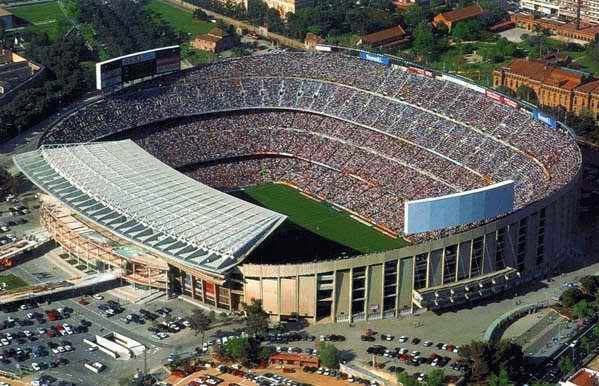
[357, 137]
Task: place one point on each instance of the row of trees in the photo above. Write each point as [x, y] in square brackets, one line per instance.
[583, 301]
[247, 350]
[496, 362]
[65, 81]
[335, 18]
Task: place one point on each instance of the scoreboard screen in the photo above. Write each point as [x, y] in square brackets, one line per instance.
[115, 72]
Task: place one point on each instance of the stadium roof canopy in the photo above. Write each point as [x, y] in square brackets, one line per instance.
[125, 189]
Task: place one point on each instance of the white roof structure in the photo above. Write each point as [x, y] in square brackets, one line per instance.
[120, 186]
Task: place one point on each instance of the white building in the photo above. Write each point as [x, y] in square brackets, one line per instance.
[547, 7]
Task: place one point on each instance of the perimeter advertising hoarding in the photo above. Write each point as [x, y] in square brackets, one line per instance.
[431, 214]
[493, 95]
[380, 59]
[420, 71]
[320, 47]
[546, 119]
[138, 65]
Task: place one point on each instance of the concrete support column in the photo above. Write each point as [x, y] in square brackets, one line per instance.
[443, 265]
[351, 294]
[279, 298]
[382, 311]
[366, 290]
[297, 292]
[457, 262]
[333, 297]
[193, 287]
[397, 286]
[471, 258]
[315, 296]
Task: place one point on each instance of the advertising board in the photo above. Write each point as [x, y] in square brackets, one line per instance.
[380, 59]
[431, 214]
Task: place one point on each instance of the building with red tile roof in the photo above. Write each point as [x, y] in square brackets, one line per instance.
[585, 32]
[289, 359]
[555, 87]
[583, 377]
[385, 38]
[450, 18]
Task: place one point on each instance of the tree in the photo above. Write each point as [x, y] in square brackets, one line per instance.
[479, 355]
[542, 35]
[486, 358]
[500, 380]
[571, 296]
[199, 322]
[468, 30]
[435, 377]
[592, 50]
[582, 309]
[504, 89]
[328, 355]
[508, 356]
[256, 318]
[566, 365]
[404, 379]
[587, 344]
[424, 43]
[243, 350]
[415, 15]
[589, 284]
[198, 14]
[526, 93]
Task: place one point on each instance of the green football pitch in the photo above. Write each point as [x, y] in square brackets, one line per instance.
[313, 230]
[42, 17]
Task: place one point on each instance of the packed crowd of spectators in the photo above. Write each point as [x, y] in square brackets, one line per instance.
[356, 133]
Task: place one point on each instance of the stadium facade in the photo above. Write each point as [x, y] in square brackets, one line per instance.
[387, 133]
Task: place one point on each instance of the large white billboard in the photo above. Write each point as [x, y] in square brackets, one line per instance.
[435, 213]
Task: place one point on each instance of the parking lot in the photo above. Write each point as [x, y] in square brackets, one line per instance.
[90, 309]
[412, 354]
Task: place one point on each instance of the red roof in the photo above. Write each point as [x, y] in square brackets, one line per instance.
[591, 87]
[545, 74]
[384, 36]
[468, 12]
[283, 356]
[584, 377]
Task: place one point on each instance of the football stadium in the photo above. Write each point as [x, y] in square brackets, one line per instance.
[334, 185]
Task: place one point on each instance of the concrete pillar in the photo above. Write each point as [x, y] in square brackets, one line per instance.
[457, 261]
[366, 290]
[333, 299]
[382, 302]
[351, 294]
[471, 258]
[279, 308]
[397, 284]
[193, 287]
[315, 296]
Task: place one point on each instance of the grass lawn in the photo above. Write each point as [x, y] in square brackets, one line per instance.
[313, 229]
[44, 17]
[12, 281]
[179, 19]
[587, 62]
